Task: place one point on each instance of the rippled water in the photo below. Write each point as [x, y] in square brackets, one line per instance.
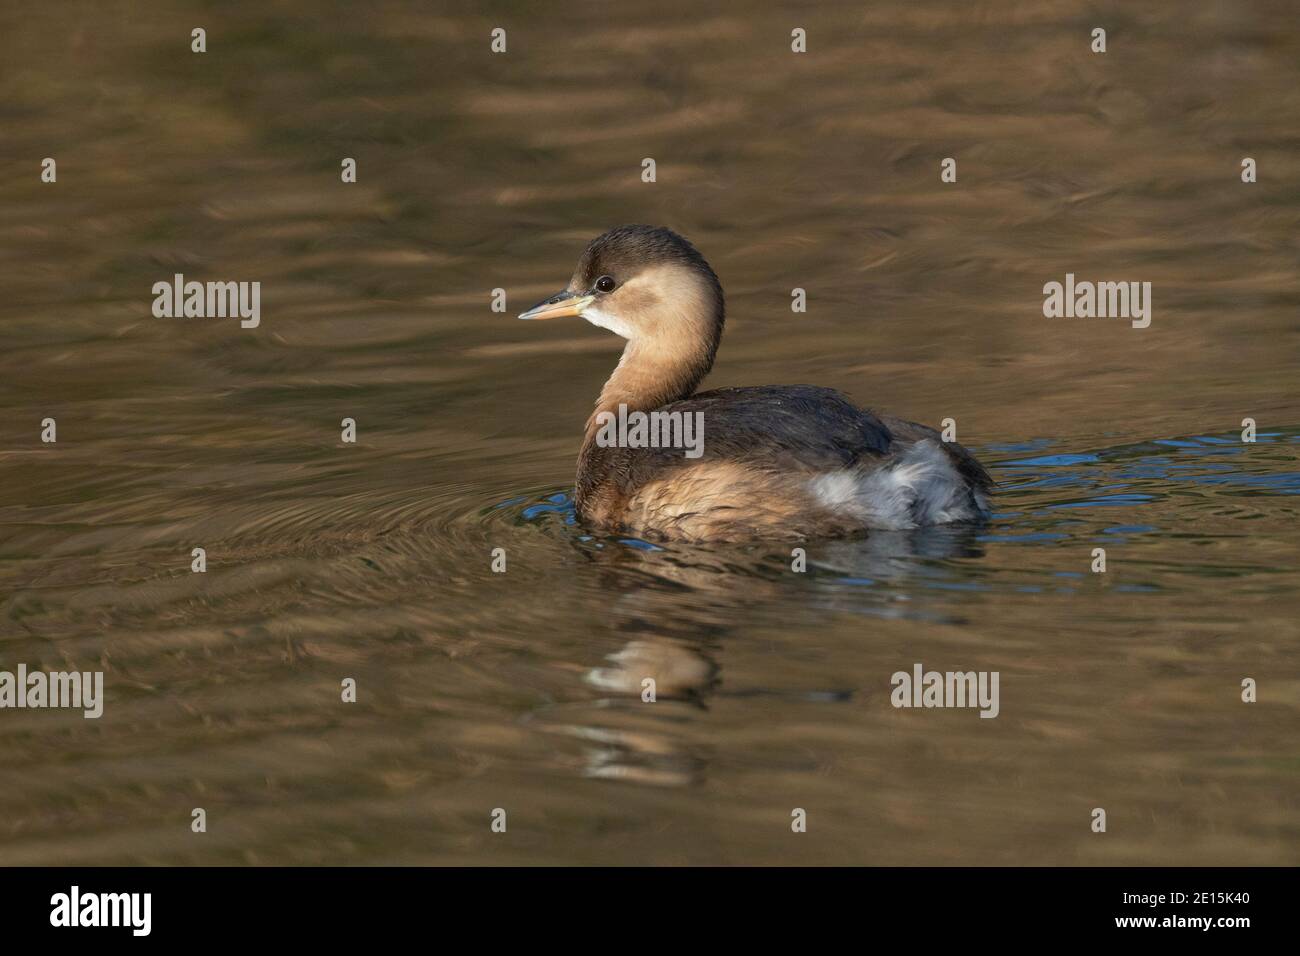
[521, 690]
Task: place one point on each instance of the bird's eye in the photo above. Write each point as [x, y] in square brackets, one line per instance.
[605, 284]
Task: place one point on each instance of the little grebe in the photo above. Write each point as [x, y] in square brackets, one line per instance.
[777, 460]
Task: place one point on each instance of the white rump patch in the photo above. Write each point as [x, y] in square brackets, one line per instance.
[917, 487]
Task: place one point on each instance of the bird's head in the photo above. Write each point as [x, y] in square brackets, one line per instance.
[646, 284]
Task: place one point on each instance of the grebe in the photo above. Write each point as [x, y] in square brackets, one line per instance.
[778, 460]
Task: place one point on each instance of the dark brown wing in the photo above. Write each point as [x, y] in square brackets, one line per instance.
[811, 425]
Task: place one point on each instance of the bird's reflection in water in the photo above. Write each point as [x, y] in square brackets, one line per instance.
[678, 608]
[897, 557]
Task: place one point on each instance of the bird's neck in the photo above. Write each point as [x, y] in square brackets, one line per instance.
[649, 377]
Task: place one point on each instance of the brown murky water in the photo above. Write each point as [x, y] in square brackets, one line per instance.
[521, 690]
